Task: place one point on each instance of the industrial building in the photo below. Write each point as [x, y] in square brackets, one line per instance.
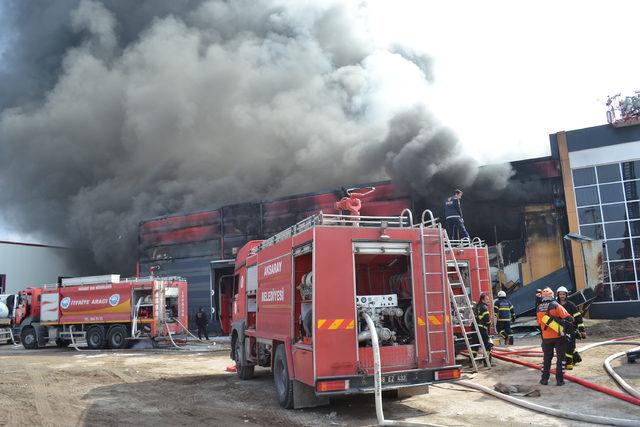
[29, 264]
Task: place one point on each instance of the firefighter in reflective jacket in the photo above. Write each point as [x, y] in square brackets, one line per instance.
[453, 217]
[503, 309]
[483, 317]
[572, 356]
[553, 319]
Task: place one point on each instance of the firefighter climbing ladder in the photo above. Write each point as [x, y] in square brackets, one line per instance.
[462, 308]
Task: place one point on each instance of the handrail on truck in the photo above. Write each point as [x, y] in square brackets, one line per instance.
[409, 215]
[431, 222]
[336, 220]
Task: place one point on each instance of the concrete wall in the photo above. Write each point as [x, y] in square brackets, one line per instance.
[26, 265]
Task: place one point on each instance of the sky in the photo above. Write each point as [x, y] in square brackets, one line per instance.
[507, 74]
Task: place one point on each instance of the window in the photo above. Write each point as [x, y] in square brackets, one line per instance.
[617, 212]
[593, 231]
[624, 291]
[589, 215]
[618, 249]
[587, 196]
[636, 247]
[586, 176]
[609, 173]
[621, 271]
[631, 189]
[3, 283]
[616, 230]
[631, 170]
[611, 193]
[608, 208]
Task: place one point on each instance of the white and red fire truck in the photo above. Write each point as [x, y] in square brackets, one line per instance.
[302, 298]
[103, 310]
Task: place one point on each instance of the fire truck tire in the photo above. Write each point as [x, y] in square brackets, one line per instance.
[117, 337]
[95, 337]
[29, 338]
[284, 385]
[244, 371]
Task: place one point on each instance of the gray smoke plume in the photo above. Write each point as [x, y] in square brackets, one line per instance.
[117, 111]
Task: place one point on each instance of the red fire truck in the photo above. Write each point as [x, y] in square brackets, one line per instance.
[103, 310]
[302, 298]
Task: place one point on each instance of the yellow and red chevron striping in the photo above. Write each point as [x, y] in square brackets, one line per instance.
[334, 324]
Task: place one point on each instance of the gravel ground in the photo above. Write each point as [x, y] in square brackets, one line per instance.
[63, 387]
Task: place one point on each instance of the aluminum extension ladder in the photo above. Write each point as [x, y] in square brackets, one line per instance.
[463, 315]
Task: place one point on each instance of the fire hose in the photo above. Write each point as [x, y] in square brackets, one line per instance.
[617, 378]
[577, 380]
[519, 402]
[377, 379]
[551, 411]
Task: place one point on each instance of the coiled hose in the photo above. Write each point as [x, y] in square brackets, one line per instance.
[617, 378]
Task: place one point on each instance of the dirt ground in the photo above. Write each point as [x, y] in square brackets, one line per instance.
[63, 387]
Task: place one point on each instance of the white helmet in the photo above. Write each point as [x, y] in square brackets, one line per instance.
[562, 289]
[502, 294]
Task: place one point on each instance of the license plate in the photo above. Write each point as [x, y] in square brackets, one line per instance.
[388, 379]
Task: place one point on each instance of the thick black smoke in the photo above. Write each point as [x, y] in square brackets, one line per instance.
[116, 111]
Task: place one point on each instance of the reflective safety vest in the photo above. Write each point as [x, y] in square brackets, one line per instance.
[550, 317]
[483, 318]
[504, 310]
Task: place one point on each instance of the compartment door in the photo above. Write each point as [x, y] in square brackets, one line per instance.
[49, 303]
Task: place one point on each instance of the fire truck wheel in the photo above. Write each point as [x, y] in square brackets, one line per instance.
[29, 338]
[95, 337]
[284, 386]
[243, 370]
[116, 338]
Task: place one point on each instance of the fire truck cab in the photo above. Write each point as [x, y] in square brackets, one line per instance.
[300, 299]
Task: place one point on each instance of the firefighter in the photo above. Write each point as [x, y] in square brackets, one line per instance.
[483, 317]
[572, 356]
[503, 310]
[453, 216]
[202, 320]
[553, 319]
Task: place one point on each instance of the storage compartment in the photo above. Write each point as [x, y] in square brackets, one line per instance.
[171, 306]
[303, 278]
[384, 290]
[142, 311]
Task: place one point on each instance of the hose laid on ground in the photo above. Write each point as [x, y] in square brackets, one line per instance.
[552, 411]
[622, 383]
[610, 342]
[183, 327]
[377, 379]
[577, 380]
